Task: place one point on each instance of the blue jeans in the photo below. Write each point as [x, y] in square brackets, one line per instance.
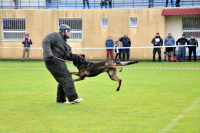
[181, 53]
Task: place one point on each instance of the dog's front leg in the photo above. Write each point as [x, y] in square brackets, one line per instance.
[80, 78]
[75, 73]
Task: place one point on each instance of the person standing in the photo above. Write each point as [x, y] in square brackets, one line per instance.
[16, 3]
[157, 41]
[84, 1]
[177, 3]
[103, 3]
[116, 50]
[126, 43]
[193, 41]
[169, 41]
[54, 45]
[171, 3]
[110, 3]
[120, 46]
[181, 50]
[151, 2]
[109, 47]
[27, 42]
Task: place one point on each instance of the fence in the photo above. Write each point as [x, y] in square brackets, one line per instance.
[96, 4]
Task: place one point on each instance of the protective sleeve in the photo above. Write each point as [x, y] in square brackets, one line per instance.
[46, 45]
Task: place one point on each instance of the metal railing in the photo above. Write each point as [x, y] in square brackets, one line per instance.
[95, 4]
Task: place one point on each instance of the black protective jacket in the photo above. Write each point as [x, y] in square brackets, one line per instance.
[125, 41]
[27, 43]
[182, 41]
[157, 41]
[193, 42]
[54, 45]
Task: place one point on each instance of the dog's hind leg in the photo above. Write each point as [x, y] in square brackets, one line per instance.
[116, 67]
[75, 73]
[113, 75]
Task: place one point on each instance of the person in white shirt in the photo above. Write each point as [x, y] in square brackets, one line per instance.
[116, 49]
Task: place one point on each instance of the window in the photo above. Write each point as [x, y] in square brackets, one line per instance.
[104, 22]
[13, 29]
[191, 26]
[76, 28]
[133, 22]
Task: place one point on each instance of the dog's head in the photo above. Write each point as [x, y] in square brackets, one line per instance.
[78, 59]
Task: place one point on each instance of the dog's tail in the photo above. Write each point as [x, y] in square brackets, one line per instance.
[125, 63]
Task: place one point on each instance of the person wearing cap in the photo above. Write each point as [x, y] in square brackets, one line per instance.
[54, 47]
[169, 41]
[157, 41]
[27, 42]
[181, 49]
[193, 41]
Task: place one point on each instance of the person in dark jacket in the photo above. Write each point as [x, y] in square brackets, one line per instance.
[109, 47]
[54, 45]
[157, 41]
[27, 42]
[126, 43]
[193, 41]
[181, 50]
[177, 3]
[169, 41]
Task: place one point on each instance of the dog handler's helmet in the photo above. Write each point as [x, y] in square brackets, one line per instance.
[64, 28]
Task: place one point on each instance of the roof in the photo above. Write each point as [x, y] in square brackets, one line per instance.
[183, 11]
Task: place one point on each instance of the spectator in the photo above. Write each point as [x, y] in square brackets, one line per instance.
[177, 3]
[181, 50]
[103, 3]
[171, 3]
[126, 43]
[116, 49]
[84, 1]
[169, 41]
[151, 3]
[193, 41]
[110, 3]
[120, 45]
[48, 2]
[109, 45]
[16, 3]
[27, 42]
[157, 41]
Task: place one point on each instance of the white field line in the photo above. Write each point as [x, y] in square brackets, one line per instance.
[123, 68]
[174, 121]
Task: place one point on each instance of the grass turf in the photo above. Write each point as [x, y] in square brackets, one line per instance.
[149, 99]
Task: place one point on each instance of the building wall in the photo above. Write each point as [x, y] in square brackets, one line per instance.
[41, 22]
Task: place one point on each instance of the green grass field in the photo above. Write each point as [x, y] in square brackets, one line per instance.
[149, 101]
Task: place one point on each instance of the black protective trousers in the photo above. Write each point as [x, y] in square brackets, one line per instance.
[159, 53]
[62, 75]
[194, 53]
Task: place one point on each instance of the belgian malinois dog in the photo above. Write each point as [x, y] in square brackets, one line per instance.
[91, 69]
